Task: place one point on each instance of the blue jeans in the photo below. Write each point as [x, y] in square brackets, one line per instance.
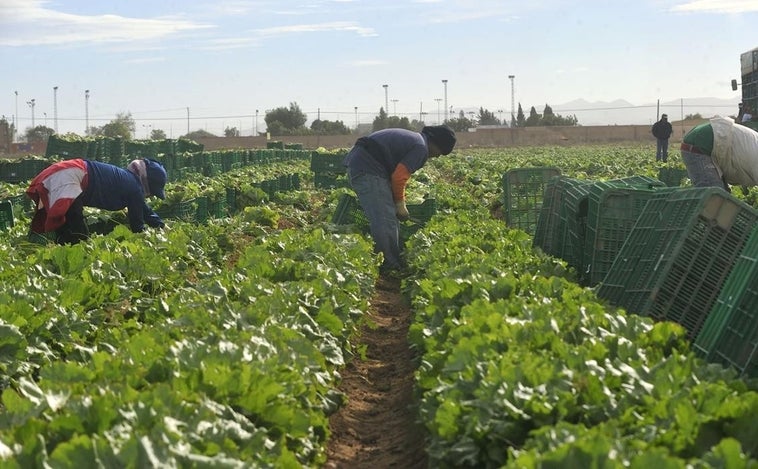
[662, 150]
[375, 195]
[702, 170]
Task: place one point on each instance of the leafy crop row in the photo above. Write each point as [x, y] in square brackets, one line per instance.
[183, 347]
[521, 367]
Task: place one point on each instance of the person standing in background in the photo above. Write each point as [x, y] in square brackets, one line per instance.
[662, 130]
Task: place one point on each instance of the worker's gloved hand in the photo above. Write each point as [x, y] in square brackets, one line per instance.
[401, 211]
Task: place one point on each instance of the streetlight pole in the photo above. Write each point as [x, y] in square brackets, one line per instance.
[513, 112]
[86, 112]
[55, 108]
[444, 82]
[31, 105]
[356, 118]
[256, 122]
[15, 126]
[438, 109]
[45, 114]
[386, 99]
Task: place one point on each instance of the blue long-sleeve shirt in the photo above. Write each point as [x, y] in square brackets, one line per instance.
[110, 187]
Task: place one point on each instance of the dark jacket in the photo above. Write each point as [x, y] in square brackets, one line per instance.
[662, 129]
[113, 188]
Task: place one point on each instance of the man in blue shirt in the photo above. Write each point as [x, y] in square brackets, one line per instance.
[379, 167]
[62, 190]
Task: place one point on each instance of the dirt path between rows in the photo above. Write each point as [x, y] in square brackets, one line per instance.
[377, 427]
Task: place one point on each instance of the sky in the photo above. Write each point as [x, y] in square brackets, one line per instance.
[196, 64]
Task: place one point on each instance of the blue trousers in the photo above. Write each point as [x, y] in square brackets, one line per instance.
[702, 170]
[662, 150]
[375, 195]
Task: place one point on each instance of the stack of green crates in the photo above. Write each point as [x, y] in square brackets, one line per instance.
[67, 147]
[676, 258]
[560, 226]
[524, 189]
[730, 334]
[22, 170]
[328, 170]
[612, 211]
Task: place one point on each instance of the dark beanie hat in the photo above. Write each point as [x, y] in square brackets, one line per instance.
[442, 136]
[156, 177]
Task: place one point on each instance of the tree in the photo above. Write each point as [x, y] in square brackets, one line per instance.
[461, 123]
[38, 134]
[286, 121]
[486, 117]
[197, 134]
[231, 132]
[534, 119]
[520, 118]
[382, 121]
[158, 134]
[550, 118]
[329, 128]
[122, 126]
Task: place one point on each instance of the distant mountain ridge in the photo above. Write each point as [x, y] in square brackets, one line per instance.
[621, 112]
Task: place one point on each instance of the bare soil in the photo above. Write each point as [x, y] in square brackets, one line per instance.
[377, 428]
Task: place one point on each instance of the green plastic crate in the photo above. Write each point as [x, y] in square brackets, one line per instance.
[730, 334]
[186, 210]
[678, 255]
[524, 189]
[551, 230]
[327, 163]
[231, 200]
[6, 215]
[672, 177]
[329, 180]
[612, 212]
[349, 212]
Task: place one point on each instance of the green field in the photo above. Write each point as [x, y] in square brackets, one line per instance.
[218, 341]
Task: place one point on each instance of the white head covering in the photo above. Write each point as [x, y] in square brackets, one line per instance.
[138, 168]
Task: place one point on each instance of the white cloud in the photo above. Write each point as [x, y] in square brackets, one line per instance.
[28, 22]
[718, 6]
[368, 63]
[340, 26]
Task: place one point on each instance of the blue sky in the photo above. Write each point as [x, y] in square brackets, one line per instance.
[224, 59]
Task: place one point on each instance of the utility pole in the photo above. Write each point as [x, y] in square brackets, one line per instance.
[444, 83]
[55, 108]
[15, 122]
[86, 112]
[386, 99]
[513, 94]
[31, 105]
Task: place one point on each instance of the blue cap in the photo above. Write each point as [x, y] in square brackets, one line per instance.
[156, 177]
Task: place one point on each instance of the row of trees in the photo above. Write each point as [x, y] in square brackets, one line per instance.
[291, 121]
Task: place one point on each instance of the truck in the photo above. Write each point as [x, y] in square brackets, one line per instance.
[749, 84]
